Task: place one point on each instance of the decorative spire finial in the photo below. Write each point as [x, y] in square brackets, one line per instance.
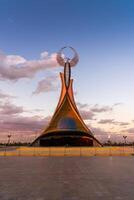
[67, 63]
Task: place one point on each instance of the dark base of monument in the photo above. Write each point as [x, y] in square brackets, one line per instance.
[66, 142]
[64, 138]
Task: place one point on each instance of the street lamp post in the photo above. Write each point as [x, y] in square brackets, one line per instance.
[125, 139]
[109, 143]
[9, 137]
[8, 142]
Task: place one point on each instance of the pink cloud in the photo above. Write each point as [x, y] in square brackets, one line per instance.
[15, 67]
[112, 121]
[10, 109]
[99, 131]
[107, 121]
[86, 115]
[11, 118]
[46, 85]
[22, 123]
[98, 109]
[129, 130]
[5, 95]
[81, 105]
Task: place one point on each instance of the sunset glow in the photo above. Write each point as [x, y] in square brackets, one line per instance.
[30, 36]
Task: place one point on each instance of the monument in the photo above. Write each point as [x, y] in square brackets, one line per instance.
[66, 127]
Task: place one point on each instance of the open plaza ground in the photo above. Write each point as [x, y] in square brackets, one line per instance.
[67, 178]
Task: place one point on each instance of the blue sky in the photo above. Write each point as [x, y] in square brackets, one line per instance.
[102, 33]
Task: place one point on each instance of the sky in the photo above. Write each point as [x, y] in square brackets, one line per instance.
[32, 32]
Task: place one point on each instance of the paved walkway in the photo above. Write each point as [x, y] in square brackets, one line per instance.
[67, 178]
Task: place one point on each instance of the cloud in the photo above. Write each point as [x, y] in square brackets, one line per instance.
[118, 104]
[129, 130]
[87, 115]
[5, 96]
[124, 123]
[88, 112]
[106, 121]
[98, 131]
[22, 123]
[24, 129]
[8, 108]
[112, 121]
[46, 85]
[81, 105]
[85, 112]
[104, 135]
[98, 109]
[15, 67]
[12, 119]
[44, 55]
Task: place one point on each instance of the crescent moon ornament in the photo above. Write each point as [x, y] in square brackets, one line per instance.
[60, 60]
[72, 61]
[75, 59]
[67, 63]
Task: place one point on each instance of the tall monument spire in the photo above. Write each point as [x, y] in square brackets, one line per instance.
[66, 126]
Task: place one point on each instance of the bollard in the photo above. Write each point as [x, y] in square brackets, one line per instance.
[64, 151]
[80, 152]
[49, 151]
[95, 151]
[109, 150]
[5, 152]
[19, 152]
[34, 152]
